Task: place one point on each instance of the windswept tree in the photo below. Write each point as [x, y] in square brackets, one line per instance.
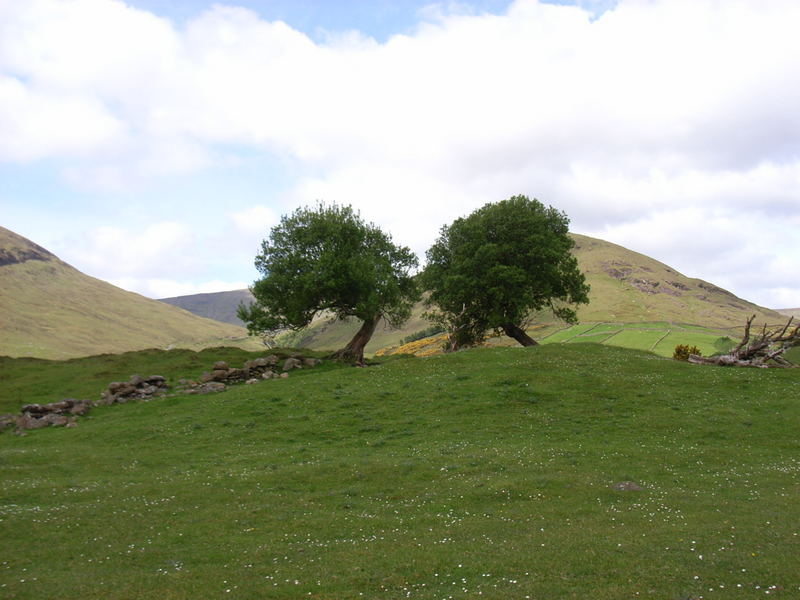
[490, 271]
[326, 259]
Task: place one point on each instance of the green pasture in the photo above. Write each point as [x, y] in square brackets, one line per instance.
[489, 473]
[32, 380]
[660, 337]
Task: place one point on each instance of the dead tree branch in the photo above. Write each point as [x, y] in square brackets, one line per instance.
[766, 349]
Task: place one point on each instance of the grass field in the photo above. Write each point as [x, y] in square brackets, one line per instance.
[487, 473]
[659, 337]
[31, 380]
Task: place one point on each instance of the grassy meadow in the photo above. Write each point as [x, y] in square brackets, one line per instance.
[659, 337]
[488, 473]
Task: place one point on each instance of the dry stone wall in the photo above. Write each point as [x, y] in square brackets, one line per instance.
[143, 389]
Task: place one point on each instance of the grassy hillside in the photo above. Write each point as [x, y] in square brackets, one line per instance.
[489, 473]
[657, 337]
[51, 310]
[630, 287]
[790, 312]
[33, 380]
[220, 306]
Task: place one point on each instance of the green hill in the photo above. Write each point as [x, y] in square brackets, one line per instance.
[51, 310]
[630, 287]
[559, 472]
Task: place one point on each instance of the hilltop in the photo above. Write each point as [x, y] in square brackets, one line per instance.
[52, 310]
[631, 287]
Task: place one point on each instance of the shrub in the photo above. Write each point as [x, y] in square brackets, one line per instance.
[724, 345]
[682, 351]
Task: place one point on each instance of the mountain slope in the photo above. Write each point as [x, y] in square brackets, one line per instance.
[220, 306]
[48, 309]
[630, 287]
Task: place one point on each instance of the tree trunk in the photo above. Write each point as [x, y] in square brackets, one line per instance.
[354, 351]
[518, 333]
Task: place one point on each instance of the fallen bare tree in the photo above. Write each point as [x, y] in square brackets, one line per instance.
[766, 349]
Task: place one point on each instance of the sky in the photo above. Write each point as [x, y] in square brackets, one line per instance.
[154, 143]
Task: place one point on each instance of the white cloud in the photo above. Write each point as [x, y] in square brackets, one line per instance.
[167, 288]
[37, 124]
[672, 115]
[118, 253]
[255, 221]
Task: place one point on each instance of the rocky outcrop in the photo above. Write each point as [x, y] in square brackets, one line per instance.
[261, 368]
[136, 388]
[37, 416]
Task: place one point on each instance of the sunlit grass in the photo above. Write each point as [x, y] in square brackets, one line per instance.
[487, 473]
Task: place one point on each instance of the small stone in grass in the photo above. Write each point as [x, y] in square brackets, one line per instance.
[627, 486]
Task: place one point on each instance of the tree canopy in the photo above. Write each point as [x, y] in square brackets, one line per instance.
[327, 259]
[490, 270]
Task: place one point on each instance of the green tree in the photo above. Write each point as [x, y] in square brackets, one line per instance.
[326, 259]
[489, 271]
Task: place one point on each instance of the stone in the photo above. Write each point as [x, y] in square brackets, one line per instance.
[79, 408]
[55, 420]
[627, 486]
[257, 363]
[211, 387]
[7, 421]
[284, 375]
[292, 363]
[267, 375]
[26, 421]
[106, 398]
[311, 362]
[251, 381]
[59, 407]
[220, 365]
[136, 380]
[236, 375]
[219, 374]
[157, 380]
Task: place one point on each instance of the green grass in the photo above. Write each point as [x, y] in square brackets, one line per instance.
[487, 473]
[704, 341]
[636, 339]
[31, 380]
[591, 338]
[660, 337]
[568, 332]
[604, 328]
